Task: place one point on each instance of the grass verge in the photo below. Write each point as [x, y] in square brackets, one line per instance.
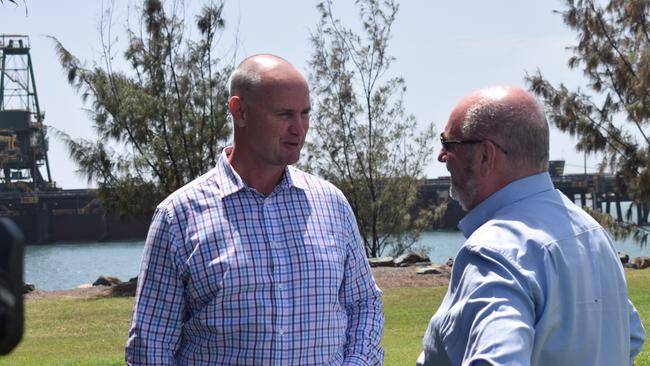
[93, 331]
[73, 332]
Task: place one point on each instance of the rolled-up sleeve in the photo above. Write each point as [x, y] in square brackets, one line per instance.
[155, 332]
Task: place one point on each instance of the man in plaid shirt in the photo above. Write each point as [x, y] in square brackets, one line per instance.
[257, 262]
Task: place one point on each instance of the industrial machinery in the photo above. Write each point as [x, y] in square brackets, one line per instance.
[23, 141]
[43, 212]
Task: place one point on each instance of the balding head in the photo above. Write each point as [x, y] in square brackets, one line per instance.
[512, 118]
[256, 71]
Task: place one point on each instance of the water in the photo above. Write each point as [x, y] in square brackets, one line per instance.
[65, 266]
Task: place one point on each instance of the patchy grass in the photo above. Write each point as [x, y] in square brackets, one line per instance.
[93, 331]
[73, 332]
[638, 283]
[407, 312]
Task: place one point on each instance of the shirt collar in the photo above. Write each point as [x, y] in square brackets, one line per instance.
[511, 193]
[293, 178]
[230, 182]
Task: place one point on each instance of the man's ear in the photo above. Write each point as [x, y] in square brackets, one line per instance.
[237, 110]
[487, 158]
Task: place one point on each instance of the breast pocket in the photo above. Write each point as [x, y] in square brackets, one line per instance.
[227, 268]
[322, 262]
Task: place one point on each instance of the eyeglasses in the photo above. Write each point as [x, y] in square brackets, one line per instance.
[446, 144]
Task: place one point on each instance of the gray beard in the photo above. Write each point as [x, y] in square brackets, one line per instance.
[465, 196]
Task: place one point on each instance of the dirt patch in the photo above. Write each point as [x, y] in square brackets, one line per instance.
[75, 293]
[386, 277]
[392, 277]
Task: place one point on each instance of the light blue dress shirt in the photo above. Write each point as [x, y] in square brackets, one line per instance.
[231, 277]
[538, 282]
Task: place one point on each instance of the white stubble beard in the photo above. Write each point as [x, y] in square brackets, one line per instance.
[465, 195]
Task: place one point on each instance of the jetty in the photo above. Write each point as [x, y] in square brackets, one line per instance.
[606, 192]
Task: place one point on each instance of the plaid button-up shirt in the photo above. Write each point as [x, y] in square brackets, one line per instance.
[230, 277]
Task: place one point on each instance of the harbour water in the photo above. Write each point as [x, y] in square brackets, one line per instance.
[65, 266]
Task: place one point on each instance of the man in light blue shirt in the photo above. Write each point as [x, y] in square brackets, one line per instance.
[538, 281]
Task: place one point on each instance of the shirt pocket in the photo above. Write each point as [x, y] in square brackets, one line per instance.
[227, 269]
[322, 262]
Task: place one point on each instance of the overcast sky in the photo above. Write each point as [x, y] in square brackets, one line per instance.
[444, 50]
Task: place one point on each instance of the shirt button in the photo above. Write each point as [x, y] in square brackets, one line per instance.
[283, 331]
[281, 286]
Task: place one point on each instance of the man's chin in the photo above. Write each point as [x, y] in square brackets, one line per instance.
[464, 202]
[290, 160]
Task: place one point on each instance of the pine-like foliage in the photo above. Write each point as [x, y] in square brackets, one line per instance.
[159, 124]
[364, 142]
[610, 117]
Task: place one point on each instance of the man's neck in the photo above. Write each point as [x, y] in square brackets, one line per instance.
[263, 179]
[501, 178]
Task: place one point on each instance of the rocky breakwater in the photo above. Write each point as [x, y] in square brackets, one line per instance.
[416, 270]
[102, 287]
[412, 259]
[410, 269]
[426, 267]
[409, 259]
[117, 287]
[641, 262]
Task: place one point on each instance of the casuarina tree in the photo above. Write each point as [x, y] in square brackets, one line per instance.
[161, 119]
[364, 140]
[610, 115]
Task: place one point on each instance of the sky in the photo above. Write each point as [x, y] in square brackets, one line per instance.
[443, 50]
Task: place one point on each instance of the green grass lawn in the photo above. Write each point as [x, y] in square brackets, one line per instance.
[93, 331]
[638, 283]
[73, 332]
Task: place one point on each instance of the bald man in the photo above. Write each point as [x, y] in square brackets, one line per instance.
[256, 262]
[538, 281]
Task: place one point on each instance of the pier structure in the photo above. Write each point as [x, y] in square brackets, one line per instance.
[598, 191]
[71, 215]
[605, 192]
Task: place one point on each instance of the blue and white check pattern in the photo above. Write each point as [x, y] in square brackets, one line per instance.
[230, 277]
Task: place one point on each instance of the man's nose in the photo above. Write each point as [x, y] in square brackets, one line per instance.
[442, 155]
[297, 126]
